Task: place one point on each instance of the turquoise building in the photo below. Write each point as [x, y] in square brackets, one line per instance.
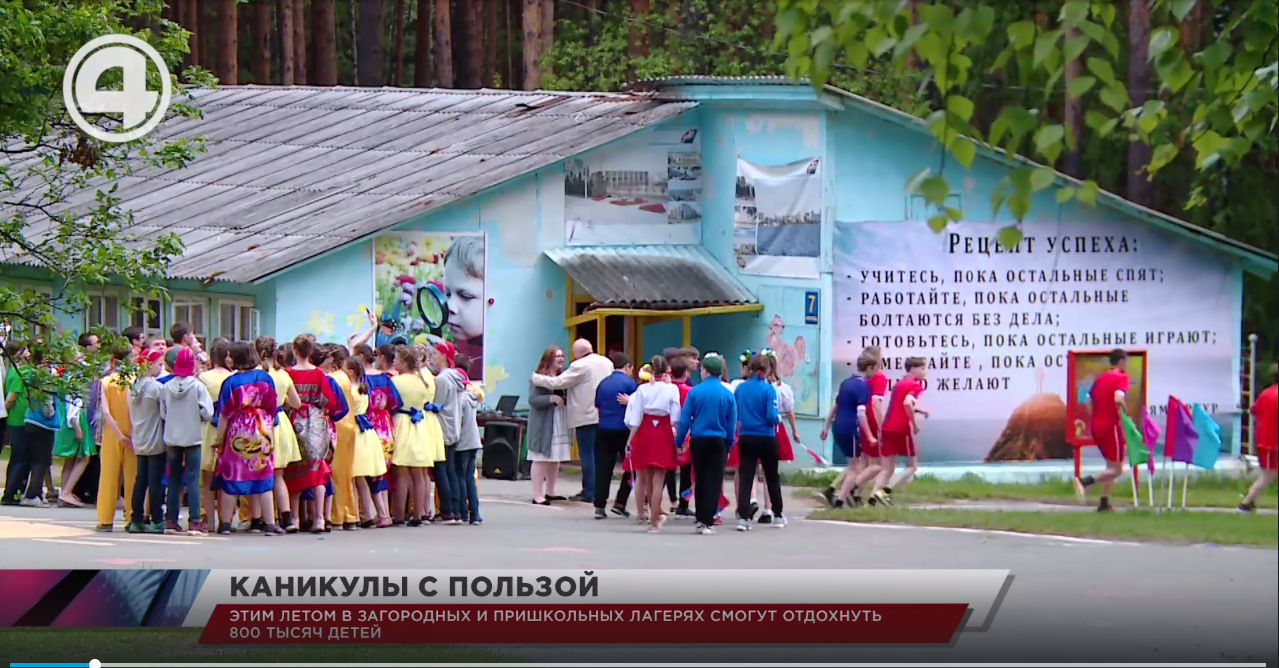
[728, 214]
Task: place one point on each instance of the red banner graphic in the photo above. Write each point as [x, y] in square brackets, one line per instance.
[616, 623]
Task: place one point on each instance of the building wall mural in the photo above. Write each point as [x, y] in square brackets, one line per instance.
[643, 189]
[514, 300]
[431, 285]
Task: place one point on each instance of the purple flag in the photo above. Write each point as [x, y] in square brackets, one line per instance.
[1181, 435]
[1149, 434]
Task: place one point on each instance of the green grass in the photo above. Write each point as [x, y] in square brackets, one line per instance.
[179, 645]
[1174, 526]
[1206, 491]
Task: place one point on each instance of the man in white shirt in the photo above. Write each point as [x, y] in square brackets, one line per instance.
[581, 379]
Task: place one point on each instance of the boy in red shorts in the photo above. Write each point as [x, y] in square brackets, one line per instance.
[1266, 438]
[878, 383]
[1107, 396]
[897, 437]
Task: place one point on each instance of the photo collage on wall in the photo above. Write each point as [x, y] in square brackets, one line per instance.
[646, 189]
[777, 218]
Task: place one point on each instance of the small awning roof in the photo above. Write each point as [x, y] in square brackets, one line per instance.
[651, 277]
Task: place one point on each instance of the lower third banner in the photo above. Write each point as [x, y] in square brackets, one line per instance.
[617, 623]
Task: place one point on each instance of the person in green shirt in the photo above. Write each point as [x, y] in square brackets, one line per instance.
[15, 403]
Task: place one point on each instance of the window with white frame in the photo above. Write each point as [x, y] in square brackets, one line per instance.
[103, 312]
[145, 313]
[192, 311]
[20, 329]
[237, 320]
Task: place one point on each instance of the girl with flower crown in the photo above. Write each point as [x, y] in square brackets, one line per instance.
[785, 409]
[733, 461]
[651, 414]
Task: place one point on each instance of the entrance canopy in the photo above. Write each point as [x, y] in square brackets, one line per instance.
[646, 284]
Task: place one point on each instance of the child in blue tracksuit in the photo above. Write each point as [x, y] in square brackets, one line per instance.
[757, 421]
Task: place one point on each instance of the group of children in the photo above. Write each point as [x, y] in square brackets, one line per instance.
[873, 428]
[302, 436]
[690, 433]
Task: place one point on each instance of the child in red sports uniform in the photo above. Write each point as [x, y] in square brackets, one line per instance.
[869, 458]
[1266, 438]
[1107, 396]
[897, 433]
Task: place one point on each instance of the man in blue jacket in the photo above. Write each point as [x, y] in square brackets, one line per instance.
[611, 435]
[709, 418]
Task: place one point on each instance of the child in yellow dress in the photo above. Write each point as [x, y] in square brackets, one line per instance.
[346, 510]
[367, 461]
[419, 440]
[220, 361]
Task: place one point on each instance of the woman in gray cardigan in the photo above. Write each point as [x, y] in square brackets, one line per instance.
[549, 442]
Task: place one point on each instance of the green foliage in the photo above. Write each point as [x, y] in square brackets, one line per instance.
[1225, 94]
[45, 159]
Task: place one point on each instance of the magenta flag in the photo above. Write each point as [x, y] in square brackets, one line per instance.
[1180, 435]
[1149, 434]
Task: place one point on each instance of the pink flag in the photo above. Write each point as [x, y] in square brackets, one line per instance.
[1180, 435]
[1150, 434]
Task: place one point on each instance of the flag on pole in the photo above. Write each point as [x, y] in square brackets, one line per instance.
[1134, 441]
[1209, 445]
[1150, 436]
[817, 459]
[1180, 435]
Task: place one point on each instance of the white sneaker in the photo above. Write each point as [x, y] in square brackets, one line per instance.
[706, 531]
[697, 528]
[743, 525]
[34, 503]
[779, 522]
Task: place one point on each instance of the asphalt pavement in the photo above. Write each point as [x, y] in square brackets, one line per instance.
[1072, 599]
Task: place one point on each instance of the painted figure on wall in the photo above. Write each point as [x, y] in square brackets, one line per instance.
[793, 366]
[429, 287]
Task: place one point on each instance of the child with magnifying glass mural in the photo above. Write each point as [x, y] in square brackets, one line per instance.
[429, 287]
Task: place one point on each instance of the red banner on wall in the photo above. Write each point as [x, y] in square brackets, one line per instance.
[922, 623]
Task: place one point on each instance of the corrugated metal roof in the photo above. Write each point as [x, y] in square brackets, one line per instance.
[656, 277]
[1259, 258]
[293, 172]
[709, 80]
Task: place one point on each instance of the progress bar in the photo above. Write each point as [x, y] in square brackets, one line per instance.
[97, 663]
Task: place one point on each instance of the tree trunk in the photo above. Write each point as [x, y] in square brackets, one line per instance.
[324, 34]
[636, 39]
[189, 18]
[284, 37]
[548, 37]
[228, 42]
[1074, 118]
[397, 69]
[443, 44]
[299, 42]
[261, 49]
[207, 23]
[1140, 188]
[514, 74]
[490, 43]
[532, 23]
[1192, 28]
[469, 41]
[422, 45]
[369, 44]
